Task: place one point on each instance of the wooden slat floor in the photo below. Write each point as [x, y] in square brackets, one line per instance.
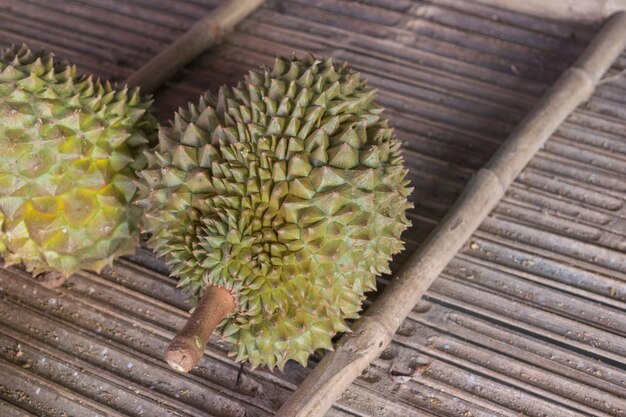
[529, 319]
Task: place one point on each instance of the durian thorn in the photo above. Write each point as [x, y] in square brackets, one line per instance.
[51, 279]
[186, 349]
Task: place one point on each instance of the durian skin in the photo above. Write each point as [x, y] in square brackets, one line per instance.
[70, 147]
[290, 191]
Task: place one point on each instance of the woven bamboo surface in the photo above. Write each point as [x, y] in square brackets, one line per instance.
[529, 319]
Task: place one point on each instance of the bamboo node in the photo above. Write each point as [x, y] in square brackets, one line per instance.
[584, 75]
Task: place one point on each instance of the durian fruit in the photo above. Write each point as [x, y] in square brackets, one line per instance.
[289, 195]
[69, 150]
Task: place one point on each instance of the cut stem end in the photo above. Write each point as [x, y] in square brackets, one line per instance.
[51, 280]
[187, 348]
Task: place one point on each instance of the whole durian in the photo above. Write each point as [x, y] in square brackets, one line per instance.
[70, 147]
[290, 193]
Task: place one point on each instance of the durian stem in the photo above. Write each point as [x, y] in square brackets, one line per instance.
[51, 280]
[187, 347]
[205, 33]
[373, 332]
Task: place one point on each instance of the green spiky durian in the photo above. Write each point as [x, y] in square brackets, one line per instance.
[70, 147]
[290, 192]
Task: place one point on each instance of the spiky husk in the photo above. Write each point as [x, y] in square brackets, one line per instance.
[291, 193]
[70, 150]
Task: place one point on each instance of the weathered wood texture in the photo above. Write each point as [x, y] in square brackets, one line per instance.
[528, 318]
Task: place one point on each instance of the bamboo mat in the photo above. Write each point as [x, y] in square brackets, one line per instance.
[529, 319]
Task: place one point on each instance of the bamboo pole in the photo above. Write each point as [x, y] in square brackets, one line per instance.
[373, 332]
[586, 11]
[205, 33]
